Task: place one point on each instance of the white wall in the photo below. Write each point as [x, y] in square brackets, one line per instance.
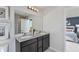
[12, 31]
[17, 24]
[53, 22]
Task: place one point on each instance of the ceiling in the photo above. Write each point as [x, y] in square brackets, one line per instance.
[44, 9]
[48, 8]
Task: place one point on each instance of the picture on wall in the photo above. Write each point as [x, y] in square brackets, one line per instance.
[2, 30]
[2, 13]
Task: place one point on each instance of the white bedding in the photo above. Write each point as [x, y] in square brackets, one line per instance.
[68, 38]
[72, 36]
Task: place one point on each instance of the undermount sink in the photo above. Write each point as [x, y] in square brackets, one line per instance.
[25, 37]
[42, 33]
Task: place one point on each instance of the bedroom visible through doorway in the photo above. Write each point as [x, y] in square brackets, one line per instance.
[72, 33]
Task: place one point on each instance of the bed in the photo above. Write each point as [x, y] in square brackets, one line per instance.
[70, 35]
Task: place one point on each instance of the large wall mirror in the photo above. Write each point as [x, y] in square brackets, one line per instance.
[22, 23]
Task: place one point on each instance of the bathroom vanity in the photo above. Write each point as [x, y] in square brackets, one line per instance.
[36, 43]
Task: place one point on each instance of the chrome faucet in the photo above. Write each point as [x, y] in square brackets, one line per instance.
[33, 31]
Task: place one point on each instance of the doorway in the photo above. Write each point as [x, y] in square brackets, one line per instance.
[72, 30]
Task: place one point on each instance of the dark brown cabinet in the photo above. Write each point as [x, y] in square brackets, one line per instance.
[38, 44]
[30, 48]
[45, 43]
[29, 45]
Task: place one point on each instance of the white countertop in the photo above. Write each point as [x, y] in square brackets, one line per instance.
[24, 38]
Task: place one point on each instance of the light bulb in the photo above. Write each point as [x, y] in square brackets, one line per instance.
[33, 9]
[30, 7]
[37, 10]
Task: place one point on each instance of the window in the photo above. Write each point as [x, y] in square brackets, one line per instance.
[26, 25]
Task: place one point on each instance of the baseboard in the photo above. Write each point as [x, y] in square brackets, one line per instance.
[55, 49]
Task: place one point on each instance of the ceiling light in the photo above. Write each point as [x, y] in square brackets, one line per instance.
[32, 8]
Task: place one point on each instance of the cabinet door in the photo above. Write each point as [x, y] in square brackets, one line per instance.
[30, 48]
[39, 46]
[40, 49]
[45, 43]
[40, 43]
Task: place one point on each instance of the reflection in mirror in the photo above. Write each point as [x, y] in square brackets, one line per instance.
[26, 25]
[23, 24]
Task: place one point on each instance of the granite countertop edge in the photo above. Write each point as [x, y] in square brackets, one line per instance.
[22, 40]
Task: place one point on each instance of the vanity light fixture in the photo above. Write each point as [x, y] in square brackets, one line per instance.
[32, 8]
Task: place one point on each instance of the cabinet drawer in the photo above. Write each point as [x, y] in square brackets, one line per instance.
[46, 36]
[28, 42]
[30, 48]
